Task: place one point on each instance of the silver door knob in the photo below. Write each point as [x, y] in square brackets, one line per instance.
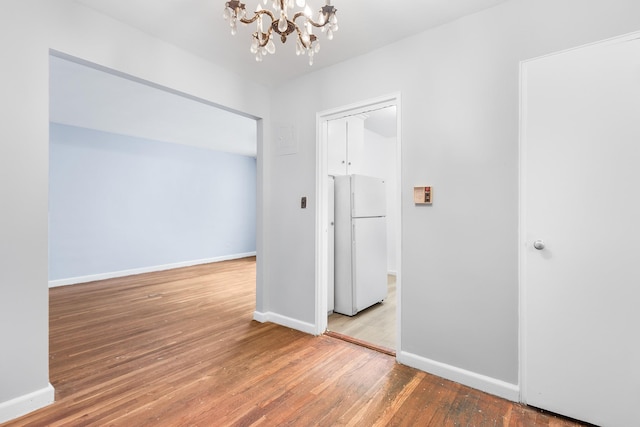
[538, 244]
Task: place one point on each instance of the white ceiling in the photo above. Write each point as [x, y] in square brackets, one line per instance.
[86, 97]
[197, 26]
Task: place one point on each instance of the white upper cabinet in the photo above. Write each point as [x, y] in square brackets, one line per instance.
[346, 143]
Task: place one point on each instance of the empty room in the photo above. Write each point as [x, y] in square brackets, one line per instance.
[151, 277]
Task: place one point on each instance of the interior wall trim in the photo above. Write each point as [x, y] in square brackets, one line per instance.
[151, 269]
[471, 379]
[281, 320]
[26, 403]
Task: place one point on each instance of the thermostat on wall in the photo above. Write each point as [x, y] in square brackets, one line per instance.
[423, 195]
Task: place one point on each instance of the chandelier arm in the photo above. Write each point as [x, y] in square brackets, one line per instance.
[256, 15]
[311, 21]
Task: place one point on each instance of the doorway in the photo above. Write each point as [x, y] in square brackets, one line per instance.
[579, 232]
[367, 136]
[135, 177]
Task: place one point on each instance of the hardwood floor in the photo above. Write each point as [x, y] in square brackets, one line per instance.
[180, 348]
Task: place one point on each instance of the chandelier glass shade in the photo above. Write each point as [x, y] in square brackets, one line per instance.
[283, 22]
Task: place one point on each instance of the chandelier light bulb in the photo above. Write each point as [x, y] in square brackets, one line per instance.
[300, 3]
[308, 12]
[260, 28]
[282, 24]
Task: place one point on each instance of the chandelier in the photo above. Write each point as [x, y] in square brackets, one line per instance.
[306, 41]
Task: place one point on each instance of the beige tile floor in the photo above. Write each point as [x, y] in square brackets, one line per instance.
[376, 324]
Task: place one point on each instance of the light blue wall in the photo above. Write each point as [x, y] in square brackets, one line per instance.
[118, 203]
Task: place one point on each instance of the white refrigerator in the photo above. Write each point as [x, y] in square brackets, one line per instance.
[360, 262]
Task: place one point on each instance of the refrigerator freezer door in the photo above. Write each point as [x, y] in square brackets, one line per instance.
[369, 261]
[368, 196]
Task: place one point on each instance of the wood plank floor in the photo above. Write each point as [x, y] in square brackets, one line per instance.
[375, 325]
[180, 348]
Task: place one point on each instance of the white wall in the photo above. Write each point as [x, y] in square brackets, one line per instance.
[28, 30]
[120, 204]
[459, 88]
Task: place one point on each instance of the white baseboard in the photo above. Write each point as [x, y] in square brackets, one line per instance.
[22, 405]
[472, 379]
[131, 272]
[261, 317]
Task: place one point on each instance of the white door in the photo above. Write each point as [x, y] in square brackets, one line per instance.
[337, 147]
[346, 152]
[581, 199]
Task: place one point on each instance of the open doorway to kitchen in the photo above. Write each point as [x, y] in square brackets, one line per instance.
[360, 158]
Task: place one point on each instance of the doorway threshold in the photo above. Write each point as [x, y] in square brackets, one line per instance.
[366, 344]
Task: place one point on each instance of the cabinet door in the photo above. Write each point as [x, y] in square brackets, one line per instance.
[356, 153]
[337, 147]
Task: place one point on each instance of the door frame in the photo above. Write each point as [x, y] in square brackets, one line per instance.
[322, 203]
[522, 184]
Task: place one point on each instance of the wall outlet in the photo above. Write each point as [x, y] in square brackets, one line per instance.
[303, 203]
